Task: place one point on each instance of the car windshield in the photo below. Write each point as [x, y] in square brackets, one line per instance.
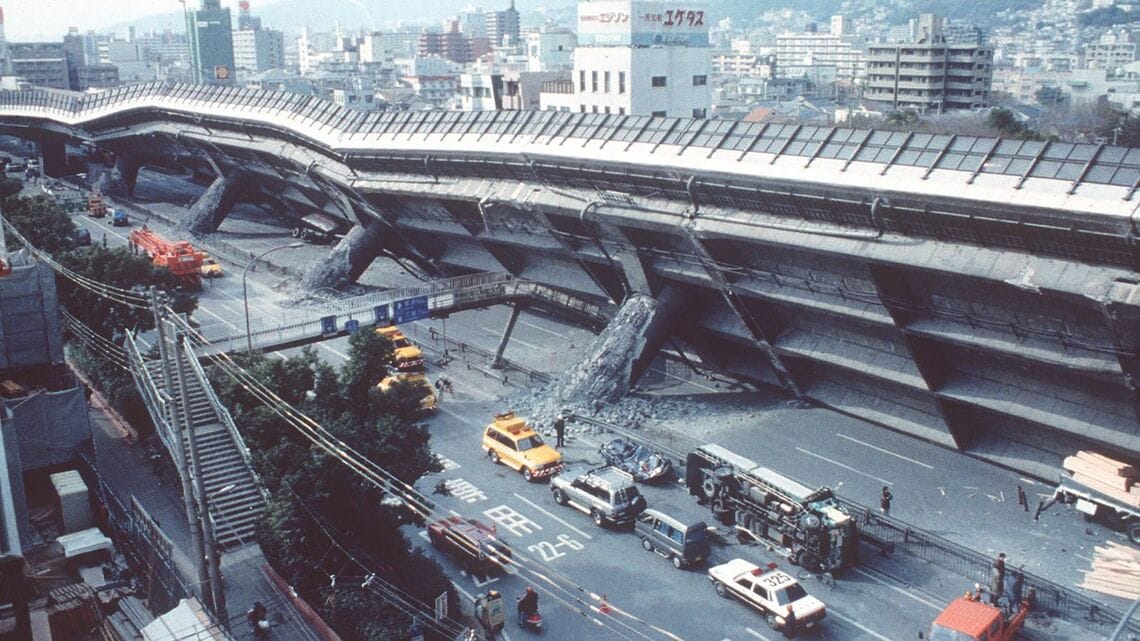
[530, 442]
[790, 594]
[401, 342]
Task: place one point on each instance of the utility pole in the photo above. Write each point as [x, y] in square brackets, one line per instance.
[214, 570]
[174, 434]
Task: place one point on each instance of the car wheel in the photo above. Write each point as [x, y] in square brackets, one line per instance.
[494, 456]
[647, 544]
[559, 497]
[677, 562]
[527, 474]
[771, 621]
[721, 591]
[599, 520]
[1134, 532]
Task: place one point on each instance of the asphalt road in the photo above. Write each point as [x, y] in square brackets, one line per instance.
[960, 498]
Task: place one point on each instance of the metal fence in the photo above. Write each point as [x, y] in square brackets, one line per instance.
[891, 536]
[145, 549]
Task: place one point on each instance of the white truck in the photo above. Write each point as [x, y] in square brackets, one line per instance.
[1095, 506]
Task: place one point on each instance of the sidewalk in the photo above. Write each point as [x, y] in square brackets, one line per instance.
[125, 467]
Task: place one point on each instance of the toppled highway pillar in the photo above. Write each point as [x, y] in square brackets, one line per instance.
[54, 153]
[348, 260]
[620, 353]
[127, 172]
[212, 206]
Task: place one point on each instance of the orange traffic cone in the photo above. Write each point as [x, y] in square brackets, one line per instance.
[604, 608]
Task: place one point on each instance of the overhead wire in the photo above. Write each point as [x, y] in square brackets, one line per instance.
[415, 500]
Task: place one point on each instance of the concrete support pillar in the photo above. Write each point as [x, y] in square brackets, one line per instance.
[515, 311]
[606, 373]
[672, 312]
[348, 260]
[212, 207]
[127, 171]
[54, 154]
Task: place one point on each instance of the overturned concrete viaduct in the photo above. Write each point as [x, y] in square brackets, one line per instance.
[979, 293]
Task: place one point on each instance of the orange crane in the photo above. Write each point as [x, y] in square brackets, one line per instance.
[180, 257]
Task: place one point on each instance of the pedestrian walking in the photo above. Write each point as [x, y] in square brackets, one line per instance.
[560, 431]
[997, 577]
[885, 501]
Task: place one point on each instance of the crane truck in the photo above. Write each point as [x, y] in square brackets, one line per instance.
[180, 257]
[763, 504]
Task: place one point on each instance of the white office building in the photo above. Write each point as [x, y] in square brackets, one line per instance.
[639, 58]
[550, 49]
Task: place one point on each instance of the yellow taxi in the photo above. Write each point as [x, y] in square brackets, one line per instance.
[429, 401]
[510, 441]
[406, 357]
[210, 267]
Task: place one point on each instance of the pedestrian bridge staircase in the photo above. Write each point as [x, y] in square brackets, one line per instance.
[233, 492]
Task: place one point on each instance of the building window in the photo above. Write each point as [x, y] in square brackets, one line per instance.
[583, 108]
[607, 109]
[657, 114]
[606, 81]
[594, 80]
[621, 82]
[658, 81]
[621, 111]
[700, 81]
[582, 82]
[698, 113]
[594, 108]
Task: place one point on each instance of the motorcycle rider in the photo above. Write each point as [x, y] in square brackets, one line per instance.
[528, 604]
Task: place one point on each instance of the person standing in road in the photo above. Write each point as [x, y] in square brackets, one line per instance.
[559, 431]
[790, 623]
[1015, 588]
[885, 501]
[997, 576]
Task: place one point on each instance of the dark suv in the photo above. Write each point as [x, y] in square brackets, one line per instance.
[607, 494]
[474, 545]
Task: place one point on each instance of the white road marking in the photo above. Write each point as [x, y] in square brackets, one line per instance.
[855, 623]
[516, 523]
[447, 464]
[540, 509]
[846, 467]
[541, 329]
[875, 447]
[333, 350]
[224, 321]
[227, 308]
[464, 490]
[513, 339]
[934, 606]
[756, 634]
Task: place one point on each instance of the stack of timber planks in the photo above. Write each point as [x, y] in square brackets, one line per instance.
[1115, 479]
[1115, 571]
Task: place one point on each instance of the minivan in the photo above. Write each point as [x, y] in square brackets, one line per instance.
[674, 534]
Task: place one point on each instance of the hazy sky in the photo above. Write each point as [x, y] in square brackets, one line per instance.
[49, 19]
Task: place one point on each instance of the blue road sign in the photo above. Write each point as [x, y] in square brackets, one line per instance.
[409, 309]
[328, 325]
[351, 325]
[381, 314]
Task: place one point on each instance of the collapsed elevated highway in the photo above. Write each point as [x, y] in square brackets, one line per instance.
[979, 293]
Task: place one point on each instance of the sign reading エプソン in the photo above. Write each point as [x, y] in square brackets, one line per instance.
[642, 24]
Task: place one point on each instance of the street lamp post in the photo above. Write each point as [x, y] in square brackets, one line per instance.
[245, 291]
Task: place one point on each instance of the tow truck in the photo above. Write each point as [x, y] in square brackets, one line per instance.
[968, 619]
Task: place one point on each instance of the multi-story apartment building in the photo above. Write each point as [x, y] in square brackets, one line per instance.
[640, 58]
[450, 45]
[550, 49]
[930, 75]
[211, 43]
[839, 48]
[1112, 51]
[43, 64]
[503, 27]
[256, 49]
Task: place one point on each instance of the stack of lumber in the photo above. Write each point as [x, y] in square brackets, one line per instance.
[1115, 571]
[1115, 479]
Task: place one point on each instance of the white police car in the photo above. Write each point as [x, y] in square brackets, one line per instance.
[774, 593]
